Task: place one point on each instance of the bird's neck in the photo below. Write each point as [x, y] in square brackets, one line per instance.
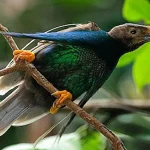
[110, 49]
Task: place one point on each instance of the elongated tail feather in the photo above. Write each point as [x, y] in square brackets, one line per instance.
[53, 36]
[10, 81]
[31, 115]
[73, 37]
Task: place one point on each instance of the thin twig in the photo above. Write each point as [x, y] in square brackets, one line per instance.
[31, 70]
[9, 39]
[6, 71]
[118, 106]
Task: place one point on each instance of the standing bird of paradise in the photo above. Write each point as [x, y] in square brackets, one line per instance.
[76, 62]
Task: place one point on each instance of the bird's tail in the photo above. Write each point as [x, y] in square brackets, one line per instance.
[10, 81]
[15, 109]
[10, 109]
[26, 35]
[70, 37]
[42, 36]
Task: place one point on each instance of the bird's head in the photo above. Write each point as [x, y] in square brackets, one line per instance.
[131, 35]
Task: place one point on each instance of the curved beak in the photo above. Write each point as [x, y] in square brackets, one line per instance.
[147, 38]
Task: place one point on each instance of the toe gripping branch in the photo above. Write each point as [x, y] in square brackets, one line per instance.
[62, 97]
[24, 55]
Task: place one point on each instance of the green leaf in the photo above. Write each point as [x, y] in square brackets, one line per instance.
[127, 58]
[141, 67]
[137, 10]
[91, 139]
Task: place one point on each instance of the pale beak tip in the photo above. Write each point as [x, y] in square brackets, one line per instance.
[147, 38]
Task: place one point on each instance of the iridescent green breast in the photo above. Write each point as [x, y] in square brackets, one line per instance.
[70, 67]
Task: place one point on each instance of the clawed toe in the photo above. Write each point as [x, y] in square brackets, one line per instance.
[24, 55]
[63, 96]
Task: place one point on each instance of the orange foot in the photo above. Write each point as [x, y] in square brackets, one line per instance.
[63, 96]
[24, 55]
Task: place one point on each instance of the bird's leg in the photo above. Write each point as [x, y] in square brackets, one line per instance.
[62, 97]
[24, 55]
[18, 54]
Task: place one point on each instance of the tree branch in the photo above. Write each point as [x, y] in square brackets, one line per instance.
[31, 70]
[117, 106]
[9, 39]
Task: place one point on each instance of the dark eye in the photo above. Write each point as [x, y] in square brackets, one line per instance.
[133, 31]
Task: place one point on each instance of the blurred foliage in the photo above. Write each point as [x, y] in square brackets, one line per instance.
[81, 140]
[141, 69]
[90, 138]
[138, 11]
[133, 129]
[39, 16]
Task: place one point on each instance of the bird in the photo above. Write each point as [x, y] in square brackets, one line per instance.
[76, 62]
